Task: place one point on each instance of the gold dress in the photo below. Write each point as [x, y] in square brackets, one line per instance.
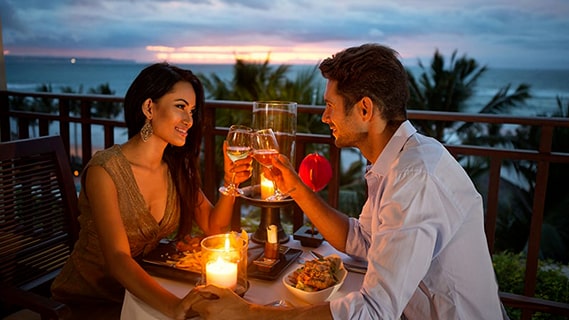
[84, 280]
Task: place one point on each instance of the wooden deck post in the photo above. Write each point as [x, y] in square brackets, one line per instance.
[3, 82]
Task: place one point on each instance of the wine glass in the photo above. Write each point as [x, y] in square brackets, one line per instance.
[265, 148]
[238, 147]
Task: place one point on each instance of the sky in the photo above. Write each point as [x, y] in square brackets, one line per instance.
[498, 33]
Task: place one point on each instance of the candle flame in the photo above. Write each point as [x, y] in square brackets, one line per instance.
[267, 187]
[227, 246]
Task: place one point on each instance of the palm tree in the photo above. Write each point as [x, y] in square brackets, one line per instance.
[255, 81]
[108, 110]
[448, 88]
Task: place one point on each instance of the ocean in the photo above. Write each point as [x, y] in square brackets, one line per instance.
[27, 73]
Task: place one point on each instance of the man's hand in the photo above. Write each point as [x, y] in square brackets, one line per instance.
[212, 302]
[284, 175]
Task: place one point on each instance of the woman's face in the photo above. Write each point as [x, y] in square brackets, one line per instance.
[172, 116]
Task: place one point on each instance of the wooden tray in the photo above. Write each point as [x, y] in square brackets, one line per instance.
[286, 257]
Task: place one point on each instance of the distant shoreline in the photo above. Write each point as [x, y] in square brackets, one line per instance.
[17, 58]
[38, 58]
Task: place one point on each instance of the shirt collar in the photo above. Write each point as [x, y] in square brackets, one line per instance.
[392, 149]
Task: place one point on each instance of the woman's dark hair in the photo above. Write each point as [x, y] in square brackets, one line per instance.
[183, 162]
[370, 70]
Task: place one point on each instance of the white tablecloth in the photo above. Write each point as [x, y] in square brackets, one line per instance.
[260, 291]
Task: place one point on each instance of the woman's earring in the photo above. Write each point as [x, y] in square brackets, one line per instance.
[146, 130]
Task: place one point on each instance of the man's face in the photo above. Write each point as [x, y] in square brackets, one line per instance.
[344, 127]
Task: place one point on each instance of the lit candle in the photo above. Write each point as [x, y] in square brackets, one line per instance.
[221, 273]
[267, 187]
[272, 245]
[272, 233]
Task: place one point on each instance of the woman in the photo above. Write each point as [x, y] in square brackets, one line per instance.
[135, 194]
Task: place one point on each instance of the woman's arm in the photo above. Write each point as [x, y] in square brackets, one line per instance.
[103, 199]
[217, 219]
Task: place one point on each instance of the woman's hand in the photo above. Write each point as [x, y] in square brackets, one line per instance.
[242, 168]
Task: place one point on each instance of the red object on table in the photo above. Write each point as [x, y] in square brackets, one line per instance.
[315, 171]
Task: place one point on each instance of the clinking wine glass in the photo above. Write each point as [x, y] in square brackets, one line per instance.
[238, 147]
[265, 148]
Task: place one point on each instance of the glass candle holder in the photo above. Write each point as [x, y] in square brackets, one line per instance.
[280, 116]
[224, 262]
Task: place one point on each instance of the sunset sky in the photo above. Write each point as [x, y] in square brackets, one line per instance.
[498, 33]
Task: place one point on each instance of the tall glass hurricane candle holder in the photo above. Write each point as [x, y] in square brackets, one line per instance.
[281, 117]
[224, 262]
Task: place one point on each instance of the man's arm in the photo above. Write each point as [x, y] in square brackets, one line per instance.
[331, 223]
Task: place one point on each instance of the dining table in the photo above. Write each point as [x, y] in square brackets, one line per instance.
[260, 291]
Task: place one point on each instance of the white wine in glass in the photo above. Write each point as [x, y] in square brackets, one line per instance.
[238, 147]
[238, 152]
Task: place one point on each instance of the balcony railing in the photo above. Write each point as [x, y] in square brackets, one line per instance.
[19, 124]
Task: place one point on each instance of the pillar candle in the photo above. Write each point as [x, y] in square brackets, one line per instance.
[221, 273]
[272, 233]
[272, 244]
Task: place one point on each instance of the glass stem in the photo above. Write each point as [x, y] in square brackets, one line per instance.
[232, 183]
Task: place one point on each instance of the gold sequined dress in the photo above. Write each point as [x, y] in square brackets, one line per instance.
[84, 280]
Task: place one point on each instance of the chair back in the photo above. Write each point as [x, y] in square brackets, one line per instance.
[38, 211]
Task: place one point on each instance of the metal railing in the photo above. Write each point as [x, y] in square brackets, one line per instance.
[17, 125]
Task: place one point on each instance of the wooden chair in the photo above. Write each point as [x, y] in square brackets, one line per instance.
[38, 223]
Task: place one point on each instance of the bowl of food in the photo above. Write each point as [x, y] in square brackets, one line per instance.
[316, 280]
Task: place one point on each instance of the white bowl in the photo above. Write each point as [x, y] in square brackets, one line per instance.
[317, 296]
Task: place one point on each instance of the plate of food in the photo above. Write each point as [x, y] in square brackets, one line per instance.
[175, 259]
[316, 280]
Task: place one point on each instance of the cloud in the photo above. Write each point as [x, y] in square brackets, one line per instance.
[495, 30]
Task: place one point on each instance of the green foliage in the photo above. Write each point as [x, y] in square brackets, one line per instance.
[552, 282]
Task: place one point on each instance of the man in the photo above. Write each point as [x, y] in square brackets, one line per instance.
[421, 228]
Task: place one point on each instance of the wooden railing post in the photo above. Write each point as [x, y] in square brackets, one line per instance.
[492, 202]
[5, 130]
[86, 133]
[209, 185]
[537, 216]
[64, 122]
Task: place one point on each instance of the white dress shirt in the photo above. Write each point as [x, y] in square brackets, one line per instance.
[421, 230]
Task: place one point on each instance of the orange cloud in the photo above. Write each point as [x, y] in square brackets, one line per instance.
[228, 54]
